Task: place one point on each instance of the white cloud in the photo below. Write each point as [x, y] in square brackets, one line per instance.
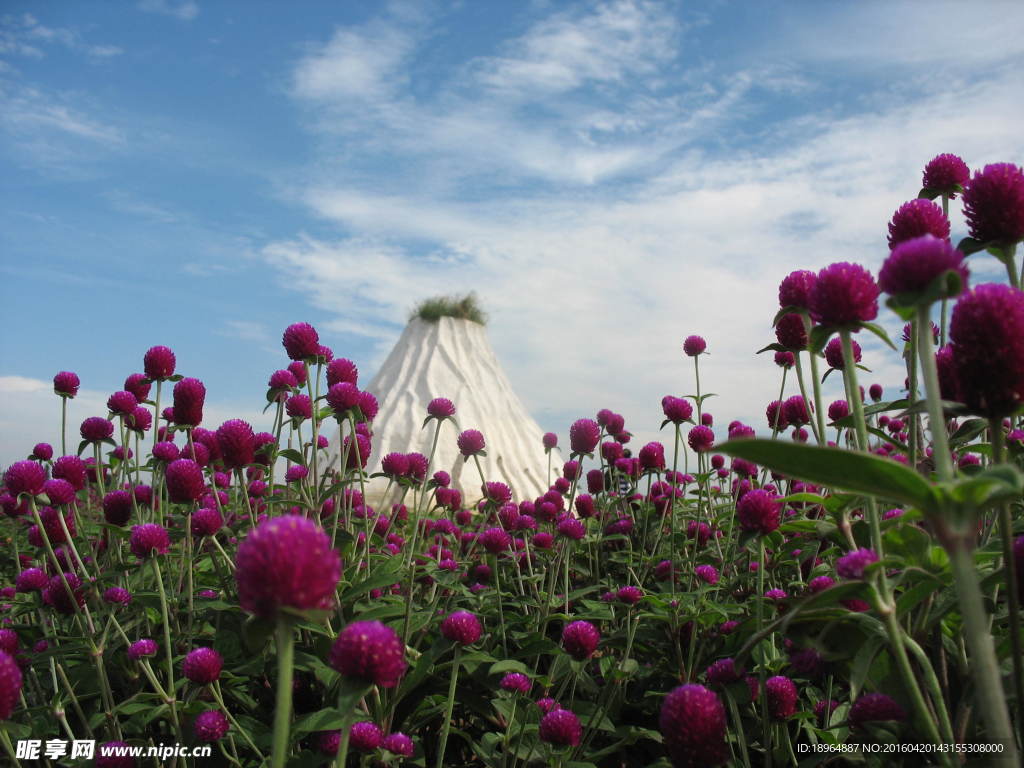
[30, 111]
[24, 35]
[185, 10]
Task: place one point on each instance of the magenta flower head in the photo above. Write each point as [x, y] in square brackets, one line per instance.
[584, 435]
[561, 728]
[441, 408]
[676, 409]
[25, 477]
[987, 340]
[782, 696]
[365, 736]
[206, 521]
[10, 685]
[142, 648]
[66, 384]
[286, 562]
[874, 708]
[470, 442]
[994, 204]
[652, 456]
[121, 403]
[834, 353]
[301, 341]
[580, 639]
[701, 438]
[839, 409]
[495, 540]
[211, 725]
[461, 627]
[853, 564]
[395, 465]
[516, 682]
[916, 218]
[791, 332]
[149, 538]
[694, 345]
[185, 481]
[550, 441]
[945, 174]
[797, 410]
[96, 429]
[398, 743]
[56, 594]
[723, 672]
[342, 397]
[706, 573]
[875, 392]
[692, 724]
[189, 396]
[72, 469]
[34, 580]
[785, 359]
[916, 262]
[117, 507]
[629, 595]
[570, 527]
[237, 443]
[795, 289]
[844, 294]
[368, 405]
[758, 511]
[342, 369]
[371, 652]
[776, 415]
[159, 363]
[138, 385]
[140, 419]
[299, 407]
[202, 666]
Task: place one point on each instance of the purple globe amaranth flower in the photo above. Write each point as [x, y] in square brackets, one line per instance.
[202, 666]
[874, 708]
[844, 294]
[371, 652]
[142, 648]
[31, 580]
[838, 409]
[286, 562]
[56, 594]
[547, 704]
[159, 363]
[140, 419]
[723, 672]
[296, 473]
[987, 339]
[561, 728]
[117, 507]
[834, 353]
[495, 540]
[795, 289]
[584, 435]
[121, 403]
[580, 639]
[706, 573]
[652, 456]
[301, 341]
[299, 407]
[341, 369]
[797, 410]
[211, 725]
[25, 477]
[96, 428]
[185, 481]
[701, 438]
[629, 595]
[206, 521]
[549, 440]
[147, 539]
[915, 263]
[516, 682]
[368, 405]
[791, 332]
[237, 443]
[417, 466]
[10, 685]
[806, 662]
[946, 174]
[462, 627]
[782, 696]
[138, 385]
[785, 359]
[676, 409]
[42, 452]
[694, 345]
[189, 397]
[916, 218]
[692, 723]
[994, 204]
[66, 384]
[571, 528]
[398, 743]
[875, 392]
[441, 408]
[365, 736]
[853, 564]
[343, 397]
[758, 511]
[395, 465]
[470, 442]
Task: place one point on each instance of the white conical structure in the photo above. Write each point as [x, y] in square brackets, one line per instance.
[453, 358]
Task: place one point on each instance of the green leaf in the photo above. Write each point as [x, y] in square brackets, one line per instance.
[879, 331]
[995, 484]
[776, 347]
[292, 455]
[967, 431]
[820, 335]
[791, 310]
[969, 245]
[838, 468]
[927, 193]
[329, 719]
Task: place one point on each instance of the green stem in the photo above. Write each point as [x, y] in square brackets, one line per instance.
[63, 425]
[168, 648]
[283, 707]
[449, 708]
[936, 421]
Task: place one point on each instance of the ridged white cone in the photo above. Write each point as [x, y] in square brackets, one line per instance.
[453, 358]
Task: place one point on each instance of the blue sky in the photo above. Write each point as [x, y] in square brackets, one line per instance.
[610, 177]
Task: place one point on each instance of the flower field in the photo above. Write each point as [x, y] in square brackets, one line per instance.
[842, 590]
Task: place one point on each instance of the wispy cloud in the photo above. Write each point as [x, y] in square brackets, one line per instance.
[24, 35]
[185, 10]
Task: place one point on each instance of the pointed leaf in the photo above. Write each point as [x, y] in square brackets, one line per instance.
[879, 331]
[969, 245]
[837, 468]
[927, 193]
